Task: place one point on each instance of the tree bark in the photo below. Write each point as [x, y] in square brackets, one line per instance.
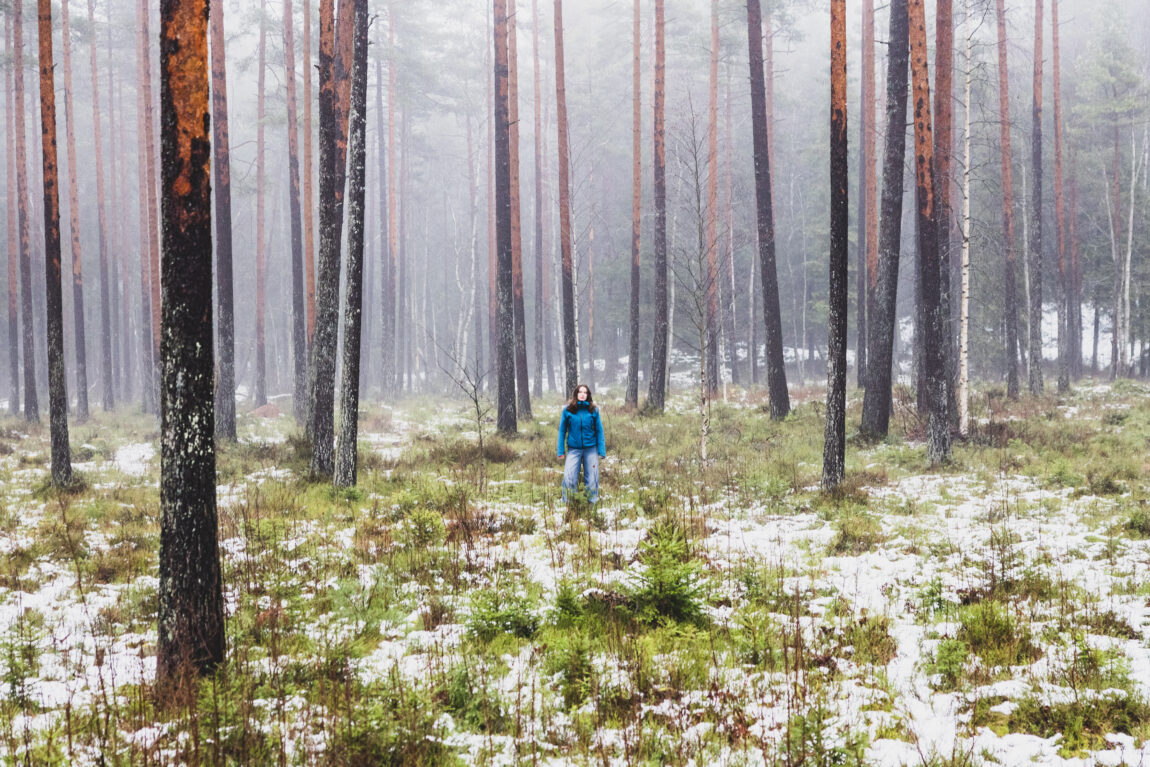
[631, 396]
[1075, 301]
[764, 215]
[225, 399]
[884, 278]
[834, 441]
[964, 307]
[938, 427]
[522, 378]
[943, 164]
[334, 74]
[149, 358]
[657, 390]
[308, 188]
[191, 613]
[729, 303]
[866, 245]
[570, 355]
[152, 378]
[13, 229]
[1064, 345]
[346, 445]
[391, 321]
[1035, 379]
[108, 390]
[261, 386]
[298, 318]
[74, 224]
[505, 350]
[540, 277]
[1011, 300]
[386, 272]
[31, 396]
[711, 284]
[54, 304]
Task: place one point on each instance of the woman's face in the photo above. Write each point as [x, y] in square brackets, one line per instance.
[582, 393]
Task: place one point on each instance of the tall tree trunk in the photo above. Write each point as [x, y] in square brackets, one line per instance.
[225, 399]
[117, 237]
[657, 390]
[934, 356]
[764, 211]
[108, 390]
[153, 374]
[570, 355]
[540, 278]
[730, 288]
[492, 246]
[57, 385]
[711, 281]
[1075, 300]
[866, 244]
[298, 310]
[386, 272]
[74, 223]
[149, 360]
[1064, 344]
[505, 351]
[834, 441]
[31, 397]
[1036, 213]
[1011, 301]
[943, 165]
[964, 308]
[884, 278]
[346, 445]
[391, 319]
[261, 387]
[334, 73]
[522, 379]
[631, 397]
[13, 230]
[308, 189]
[191, 620]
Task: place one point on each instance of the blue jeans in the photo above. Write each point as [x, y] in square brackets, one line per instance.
[589, 459]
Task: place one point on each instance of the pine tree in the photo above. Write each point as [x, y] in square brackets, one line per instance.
[764, 209]
[834, 443]
[107, 383]
[938, 426]
[1011, 300]
[570, 353]
[57, 389]
[191, 612]
[880, 336]
[505, 349]
[298, 306]
[346, 440]
[631, 397]
[226, 385]
[657, 389]
[334, 95]
[74, 222]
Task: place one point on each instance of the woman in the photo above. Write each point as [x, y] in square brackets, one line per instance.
[581, 439]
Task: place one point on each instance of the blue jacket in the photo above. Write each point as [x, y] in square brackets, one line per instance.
[582, 430]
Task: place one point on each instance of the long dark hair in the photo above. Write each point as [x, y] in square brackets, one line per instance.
[573, 403]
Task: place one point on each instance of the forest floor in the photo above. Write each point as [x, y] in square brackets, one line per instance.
[451, 610]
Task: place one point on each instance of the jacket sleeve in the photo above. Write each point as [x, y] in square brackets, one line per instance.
[602, 440]
[561, 448]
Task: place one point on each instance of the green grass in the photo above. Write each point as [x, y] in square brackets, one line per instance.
[451, 593]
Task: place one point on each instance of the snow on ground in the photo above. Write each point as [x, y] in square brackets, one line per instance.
[135, 459]
[936, 528]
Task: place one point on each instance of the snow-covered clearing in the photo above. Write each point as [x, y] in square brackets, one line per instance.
[481, 620]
